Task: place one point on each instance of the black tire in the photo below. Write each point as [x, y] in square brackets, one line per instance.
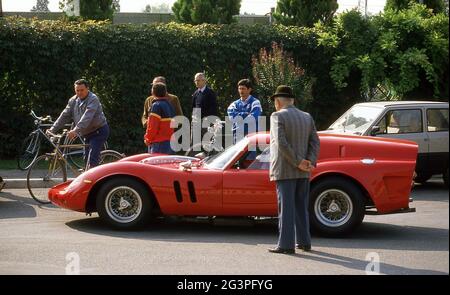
[110, 156]
[42, 176]
[133, 194]
[445, 177]
[341, 196]
[422, 178]
[29, 150]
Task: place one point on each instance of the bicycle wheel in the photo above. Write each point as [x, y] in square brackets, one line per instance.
[110, 156]
[43, 174]
[29, 151]
[75, 155]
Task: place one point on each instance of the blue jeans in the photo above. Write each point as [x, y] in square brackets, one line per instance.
[96, 140]
[162, 147]
[293, 217]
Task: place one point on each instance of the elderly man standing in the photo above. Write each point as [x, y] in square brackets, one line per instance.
[294, 147]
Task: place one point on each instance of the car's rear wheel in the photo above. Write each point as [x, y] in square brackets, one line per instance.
[336, 206]
[124, 203]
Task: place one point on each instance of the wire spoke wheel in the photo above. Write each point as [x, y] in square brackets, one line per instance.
[43, 174]
[28, 152]
[333, 207]
[123, 204]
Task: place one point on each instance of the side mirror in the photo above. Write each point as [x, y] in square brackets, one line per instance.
[375, 130]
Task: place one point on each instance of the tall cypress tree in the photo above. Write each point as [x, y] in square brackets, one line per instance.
[304, 12]
[206, 11]
[41, 6]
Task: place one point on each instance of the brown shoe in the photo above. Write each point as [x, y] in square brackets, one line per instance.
[306, 248]
[282, 251]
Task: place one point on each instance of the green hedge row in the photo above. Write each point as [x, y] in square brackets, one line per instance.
[39, 60]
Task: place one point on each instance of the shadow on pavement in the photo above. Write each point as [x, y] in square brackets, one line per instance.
[430, 191]
[358, 264]
[369, 235]
[16, 206]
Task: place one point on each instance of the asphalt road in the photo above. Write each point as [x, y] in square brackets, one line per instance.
[49, 240]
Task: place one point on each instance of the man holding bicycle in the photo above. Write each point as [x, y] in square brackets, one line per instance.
[85, 111]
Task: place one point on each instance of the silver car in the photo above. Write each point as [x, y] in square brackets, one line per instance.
[424, 122]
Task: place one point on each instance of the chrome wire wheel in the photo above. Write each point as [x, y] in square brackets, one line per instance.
[123, 204]
[333, 208]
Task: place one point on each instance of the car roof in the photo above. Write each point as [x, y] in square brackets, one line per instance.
[384, 104]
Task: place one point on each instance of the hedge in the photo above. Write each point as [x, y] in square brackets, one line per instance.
[40, 60]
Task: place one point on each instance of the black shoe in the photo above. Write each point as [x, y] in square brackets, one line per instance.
[306, 248]
[282, 251]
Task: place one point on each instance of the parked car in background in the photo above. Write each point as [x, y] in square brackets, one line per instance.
[354, 176]
[423, 122]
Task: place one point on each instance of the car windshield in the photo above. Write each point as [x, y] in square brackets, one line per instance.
[219, 160]
[356, 120]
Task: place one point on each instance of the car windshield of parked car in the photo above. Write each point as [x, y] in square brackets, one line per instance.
[219, 160]
[356, 120]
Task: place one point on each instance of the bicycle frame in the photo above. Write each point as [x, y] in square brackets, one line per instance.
[59, 154]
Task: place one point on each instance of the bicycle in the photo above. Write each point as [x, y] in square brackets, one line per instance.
[51, 169]
[31, 145]
[208, 149]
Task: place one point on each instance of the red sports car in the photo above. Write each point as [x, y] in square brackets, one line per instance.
[354, 176]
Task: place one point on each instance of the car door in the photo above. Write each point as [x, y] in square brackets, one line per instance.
[195, 192]
[408, 124]
[437, 129]
[247, 189]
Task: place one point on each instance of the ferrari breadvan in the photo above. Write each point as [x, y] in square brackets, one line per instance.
[354, 176]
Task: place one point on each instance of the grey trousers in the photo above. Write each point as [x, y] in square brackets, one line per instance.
[293, 217]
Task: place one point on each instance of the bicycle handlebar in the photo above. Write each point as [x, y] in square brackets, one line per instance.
[41, 119]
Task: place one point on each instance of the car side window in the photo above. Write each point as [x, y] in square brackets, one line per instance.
[437, 120]
[255, 159]
[401, 121]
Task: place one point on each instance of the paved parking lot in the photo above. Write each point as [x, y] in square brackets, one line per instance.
[49, 240]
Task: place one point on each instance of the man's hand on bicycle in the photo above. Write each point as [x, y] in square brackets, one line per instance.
[72, 134]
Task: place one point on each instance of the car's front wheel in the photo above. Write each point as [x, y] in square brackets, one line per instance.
[336, 206]
[124, 203]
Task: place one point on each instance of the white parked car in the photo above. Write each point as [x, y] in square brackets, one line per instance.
[424, 122]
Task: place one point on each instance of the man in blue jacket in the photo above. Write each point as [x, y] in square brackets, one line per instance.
[244, 112]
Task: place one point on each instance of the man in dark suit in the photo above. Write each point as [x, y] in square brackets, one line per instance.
[204, 104]
[294, 148]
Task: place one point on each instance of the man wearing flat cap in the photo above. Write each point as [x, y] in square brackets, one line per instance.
[294, 148]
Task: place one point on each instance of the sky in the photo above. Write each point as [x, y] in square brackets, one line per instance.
[259, 7]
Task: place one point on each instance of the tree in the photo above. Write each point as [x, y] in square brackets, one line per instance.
[437, 5]
[41, 6]
[161, 8]
[94, 9]
[206, 11]
[304, 12]
[404, 52]
[275, 67]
